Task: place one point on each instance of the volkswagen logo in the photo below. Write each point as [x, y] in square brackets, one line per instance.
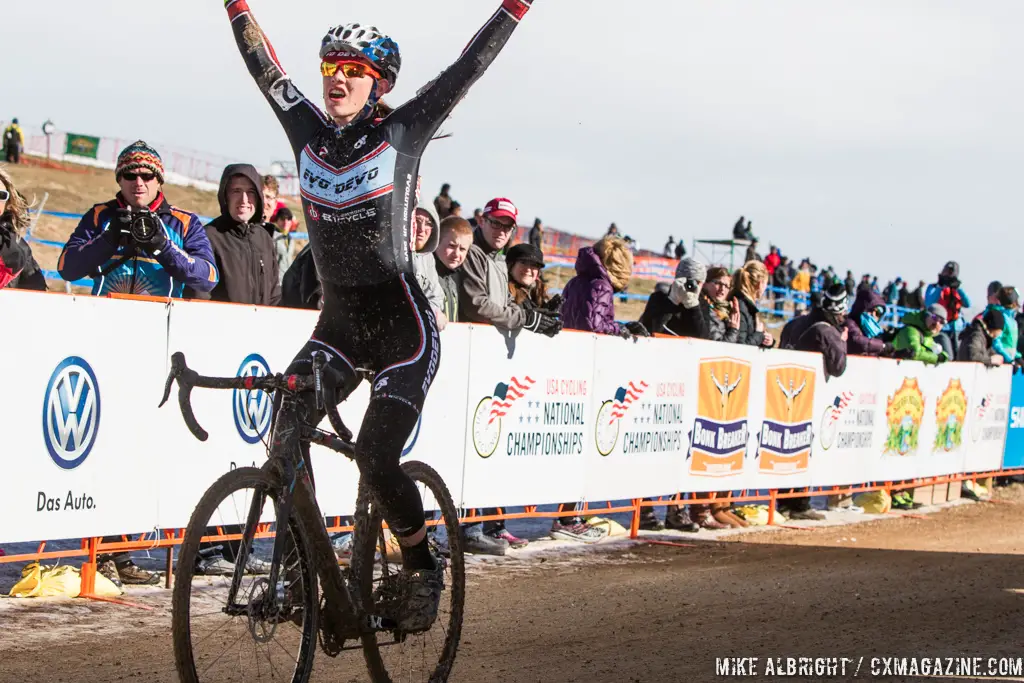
[71, 412]
[253, 410]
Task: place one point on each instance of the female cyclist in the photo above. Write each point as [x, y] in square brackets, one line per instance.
[358, 168]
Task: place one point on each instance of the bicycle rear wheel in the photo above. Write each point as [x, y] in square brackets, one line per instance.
[376, 561]
[243, 640]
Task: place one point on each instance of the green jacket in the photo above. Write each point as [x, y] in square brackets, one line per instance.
[917, 338]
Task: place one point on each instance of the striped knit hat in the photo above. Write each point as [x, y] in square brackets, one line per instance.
[139, 155]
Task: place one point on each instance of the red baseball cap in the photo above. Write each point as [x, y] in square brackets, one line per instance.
[502, 207]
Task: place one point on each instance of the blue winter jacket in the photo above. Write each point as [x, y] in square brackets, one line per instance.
[187, 262]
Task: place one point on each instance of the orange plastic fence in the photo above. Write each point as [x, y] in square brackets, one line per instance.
[169, 538]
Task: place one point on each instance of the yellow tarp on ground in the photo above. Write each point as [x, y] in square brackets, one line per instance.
[874, 502]
[44, 581]
[609, 526]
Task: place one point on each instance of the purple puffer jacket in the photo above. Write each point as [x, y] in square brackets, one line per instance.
[858, 343]
[589, 302]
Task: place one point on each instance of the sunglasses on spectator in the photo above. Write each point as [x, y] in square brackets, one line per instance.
[4, 195]
[348, 69]
[132, 176]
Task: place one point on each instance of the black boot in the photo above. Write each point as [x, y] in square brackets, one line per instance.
[677, 518]
[649, 521]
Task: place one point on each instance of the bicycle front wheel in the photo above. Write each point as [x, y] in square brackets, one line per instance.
[252, 631]
[376, 561]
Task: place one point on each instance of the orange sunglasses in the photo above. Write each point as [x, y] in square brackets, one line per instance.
[349, 69]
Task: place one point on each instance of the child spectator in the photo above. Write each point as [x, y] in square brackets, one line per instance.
[601, 271]
[453, 244]
[748, 287]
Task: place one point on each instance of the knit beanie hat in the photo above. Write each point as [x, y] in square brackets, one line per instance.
[139, 155]
[691, 269]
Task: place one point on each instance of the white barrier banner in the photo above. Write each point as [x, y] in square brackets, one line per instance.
[902, 396]
[847, 412]
[644, 402]
[81, 422]
[528, 418]
[987, 419]
[948, 389]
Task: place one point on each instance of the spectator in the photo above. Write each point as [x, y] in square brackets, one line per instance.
[948, 293]
[817, 280]
[993, 292]
[864, 326]
[631, 243]
[537, 234]
[455, 210]
[741, 231]
[865, 283]
[14, 142]
[243, 251]
[822, 331]
[977, 341]
[174, 255]
[271, 203]
[680, 249]
[851, 284]
[748, 287]
[677, 311]
[613, 231]
[1007, 303]
[780, 281]
[802, 282]
[892, 292]
[916, 339]
[915, 299]
[772, 260]
[601, 271]
[18, 267]
[443, 202]
[300, 286]
[752, 254]
[474, 222]
[874, 285]
[483, 294]
[279, 230]
[453, 245]
[670, 247]
[426, 236]
[903, 296]
[721, 315]
[525, 282]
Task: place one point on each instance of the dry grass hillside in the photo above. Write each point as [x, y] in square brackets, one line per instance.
[77, 190]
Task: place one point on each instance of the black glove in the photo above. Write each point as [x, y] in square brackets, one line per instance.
[554, 304]
[943, 358]
[637, 329]
[543, 322]
[887, 350]
[117, 232]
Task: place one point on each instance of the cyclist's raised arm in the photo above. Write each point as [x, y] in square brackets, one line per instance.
[424, 114]
[300, 118]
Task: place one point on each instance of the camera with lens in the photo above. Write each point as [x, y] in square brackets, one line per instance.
[144, 225]
[691, 285]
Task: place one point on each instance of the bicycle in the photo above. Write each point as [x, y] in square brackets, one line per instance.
[275, 618]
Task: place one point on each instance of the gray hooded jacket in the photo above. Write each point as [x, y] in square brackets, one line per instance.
[423, 262]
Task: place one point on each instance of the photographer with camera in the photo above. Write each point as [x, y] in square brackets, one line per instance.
[676, 309]
[137, 243]
[948, 293]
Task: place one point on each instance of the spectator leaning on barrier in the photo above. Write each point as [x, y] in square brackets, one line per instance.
[748, 287]
[14, 142]
[243, 250]
[601, 271]
[168, 254]
[916, 339]
[676, 309]
[721, 314]
[279, 229]
[976, 342]
[483, 295]
[1006, 304]
[18, 267]
[822, 331]
[864, 326]
[948, 293]
[300, 286]
[456, 238]
[426, 235]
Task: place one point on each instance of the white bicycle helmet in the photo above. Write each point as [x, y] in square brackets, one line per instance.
[367, 43]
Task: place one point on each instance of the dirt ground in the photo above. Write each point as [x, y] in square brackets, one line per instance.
[945, 584]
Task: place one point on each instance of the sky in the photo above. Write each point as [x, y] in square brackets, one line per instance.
[881, 136]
